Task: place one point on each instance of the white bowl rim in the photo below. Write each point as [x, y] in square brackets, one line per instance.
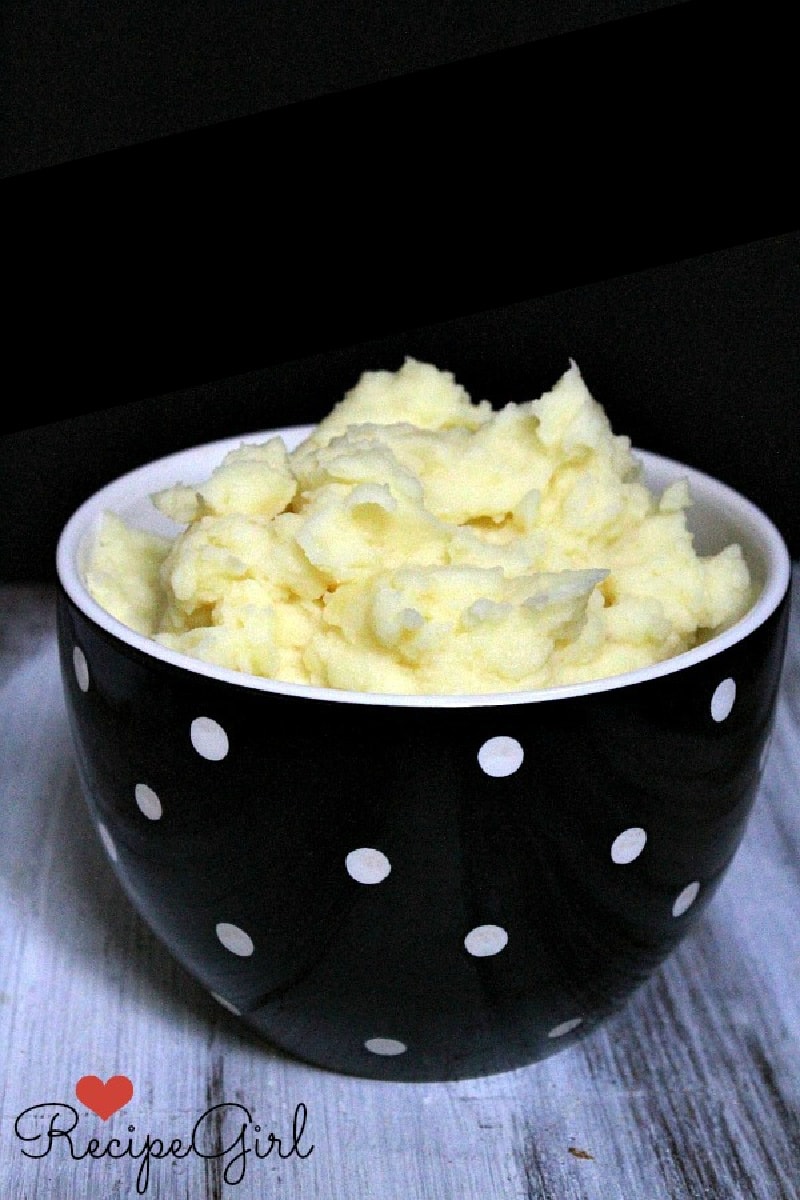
[776, 584]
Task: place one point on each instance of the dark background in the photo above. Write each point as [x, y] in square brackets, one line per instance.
[81, 77]
[216, 218]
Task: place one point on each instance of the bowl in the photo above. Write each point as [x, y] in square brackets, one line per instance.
[419, 887]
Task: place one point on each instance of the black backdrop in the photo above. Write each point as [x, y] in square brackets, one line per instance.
[83, 78]
[613, 183]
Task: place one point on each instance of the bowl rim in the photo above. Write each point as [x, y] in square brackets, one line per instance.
[776, 585]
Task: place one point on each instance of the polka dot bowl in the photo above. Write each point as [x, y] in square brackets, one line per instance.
[420, 888]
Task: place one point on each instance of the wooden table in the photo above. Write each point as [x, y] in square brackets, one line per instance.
[693, 1091]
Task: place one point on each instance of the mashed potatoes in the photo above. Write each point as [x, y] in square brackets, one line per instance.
[419, 542]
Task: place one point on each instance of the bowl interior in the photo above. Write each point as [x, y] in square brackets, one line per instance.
[718, 516]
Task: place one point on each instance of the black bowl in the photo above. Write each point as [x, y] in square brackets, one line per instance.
[410, 887]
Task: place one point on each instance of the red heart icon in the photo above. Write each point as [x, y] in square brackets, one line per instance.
[104, 1098]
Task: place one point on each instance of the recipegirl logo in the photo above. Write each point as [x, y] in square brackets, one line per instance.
[226, 1135]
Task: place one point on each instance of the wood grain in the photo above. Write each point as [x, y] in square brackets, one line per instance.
[691, 1093]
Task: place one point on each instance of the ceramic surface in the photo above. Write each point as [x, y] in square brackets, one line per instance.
[411, 890]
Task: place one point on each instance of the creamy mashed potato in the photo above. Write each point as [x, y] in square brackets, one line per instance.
[420, 542]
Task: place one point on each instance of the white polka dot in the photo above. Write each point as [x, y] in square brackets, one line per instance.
[108, 842]
[485, 940]
[226, 1004]
[500, 756]
[685, 899]
[366, 865]
[235, 939]
[723, 698]
[209, 738]
[386, 1046]
[148, 801]
[628, 845]
[565, 1027]
[81, 668]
